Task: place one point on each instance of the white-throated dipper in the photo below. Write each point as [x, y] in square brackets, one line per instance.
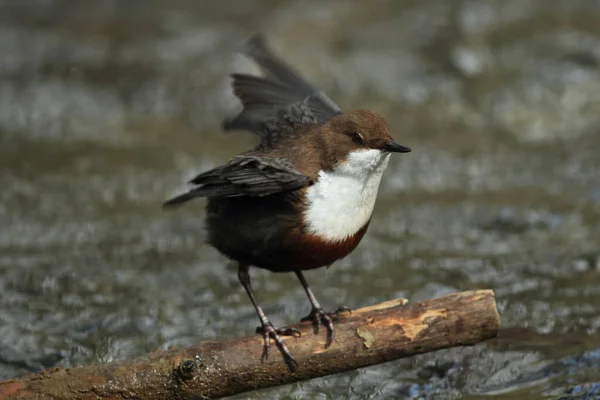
[301, 199]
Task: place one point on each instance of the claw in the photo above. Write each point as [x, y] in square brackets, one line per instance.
[289, 332]
[342, 310]
[318, 316]
[270, 332]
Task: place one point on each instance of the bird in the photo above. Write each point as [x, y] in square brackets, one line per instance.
[303, 197]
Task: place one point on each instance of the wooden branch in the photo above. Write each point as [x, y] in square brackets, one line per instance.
[367, 336]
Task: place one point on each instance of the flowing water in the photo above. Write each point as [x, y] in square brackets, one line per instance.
[106, 108]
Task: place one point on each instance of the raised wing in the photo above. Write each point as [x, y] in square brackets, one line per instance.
[280, 101]
[245, 175]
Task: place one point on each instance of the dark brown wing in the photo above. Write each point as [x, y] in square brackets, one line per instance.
[245, 175]
[281, 100]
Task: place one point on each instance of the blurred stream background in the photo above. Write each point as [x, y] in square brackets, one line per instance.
[108, 107]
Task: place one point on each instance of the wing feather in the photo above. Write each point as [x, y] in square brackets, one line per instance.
[280, 98]
[245, 175]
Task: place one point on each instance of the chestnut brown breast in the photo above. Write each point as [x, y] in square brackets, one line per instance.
[308, 251]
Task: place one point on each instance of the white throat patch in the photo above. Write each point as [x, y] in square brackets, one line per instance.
[342, 201]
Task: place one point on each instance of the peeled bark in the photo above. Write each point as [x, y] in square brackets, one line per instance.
[366, 336]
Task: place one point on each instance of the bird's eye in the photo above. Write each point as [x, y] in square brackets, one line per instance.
[356, 137]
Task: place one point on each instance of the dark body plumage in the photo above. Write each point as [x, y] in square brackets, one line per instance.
[267, 233]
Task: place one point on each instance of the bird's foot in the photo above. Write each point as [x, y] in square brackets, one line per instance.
[280, 331]
[318, 316]
[270, 332]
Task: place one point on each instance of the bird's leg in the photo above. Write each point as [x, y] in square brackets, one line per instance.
[317, 315]
[268, 330]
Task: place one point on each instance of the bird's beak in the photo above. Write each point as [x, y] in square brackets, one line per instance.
[394, 147]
